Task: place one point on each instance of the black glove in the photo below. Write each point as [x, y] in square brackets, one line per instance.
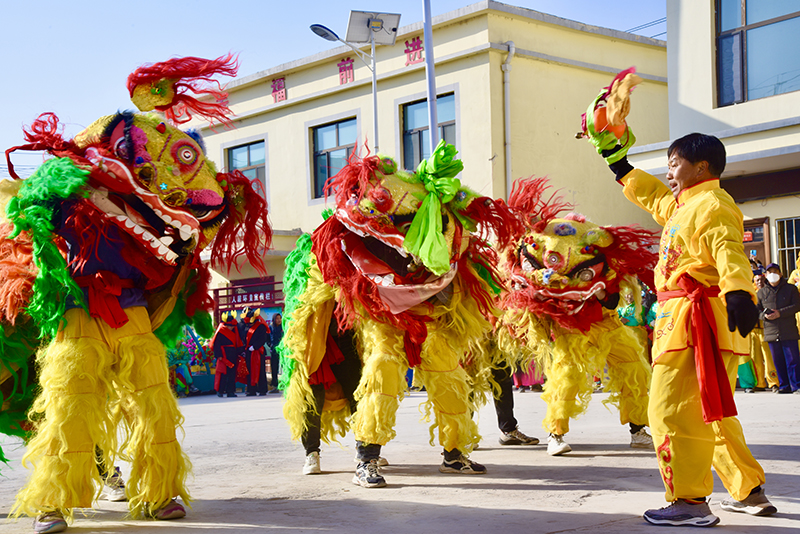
[610, 302]
[742, 313]
[621, 167]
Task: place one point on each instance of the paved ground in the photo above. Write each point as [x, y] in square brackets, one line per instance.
[247, 477]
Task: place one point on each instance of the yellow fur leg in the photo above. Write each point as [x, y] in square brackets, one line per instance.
[629, 376]
[382, 382]
[160, 467]
[72, 416]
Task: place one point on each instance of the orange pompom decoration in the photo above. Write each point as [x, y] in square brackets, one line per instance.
[601, 123]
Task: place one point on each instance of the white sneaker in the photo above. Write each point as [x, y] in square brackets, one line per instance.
[642, 440]
[114, 487]
[556, 445]
[311, 466]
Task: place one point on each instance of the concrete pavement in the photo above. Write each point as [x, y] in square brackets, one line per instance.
[247, 476]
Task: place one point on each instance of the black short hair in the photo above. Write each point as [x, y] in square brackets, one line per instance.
[697, 147]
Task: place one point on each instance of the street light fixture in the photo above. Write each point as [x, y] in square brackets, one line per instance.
[372, 28]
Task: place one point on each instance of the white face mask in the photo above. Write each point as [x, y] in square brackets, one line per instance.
[773, 277]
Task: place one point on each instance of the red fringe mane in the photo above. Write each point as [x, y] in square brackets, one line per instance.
[527, 202]
[630, 252]
[247, 234]
[44, 134]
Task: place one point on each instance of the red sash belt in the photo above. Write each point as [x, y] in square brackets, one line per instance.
[104, 288]
[716, 395]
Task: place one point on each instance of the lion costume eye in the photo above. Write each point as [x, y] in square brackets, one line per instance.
[586, 275]
[187, 155]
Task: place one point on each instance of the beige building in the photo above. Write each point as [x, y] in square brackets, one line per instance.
[734, 71]
[297, 122]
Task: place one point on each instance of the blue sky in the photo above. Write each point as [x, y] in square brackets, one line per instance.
[73, 58]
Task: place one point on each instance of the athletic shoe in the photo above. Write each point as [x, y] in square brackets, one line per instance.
[681, 513]
[748, 390]
[114, 487]
[462, 465]
[784, 391]
[172, 510]
[231, 395]
[49, 522]
[368, 475]
[311, 466]
[556, 446]
[755, 504]
[642, 440]
[515, 437]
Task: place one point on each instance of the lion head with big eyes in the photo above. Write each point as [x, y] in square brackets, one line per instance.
[562, 267]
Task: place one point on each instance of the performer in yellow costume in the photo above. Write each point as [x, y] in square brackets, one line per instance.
[705, 295]
[118, 218]
[401, 262]
[565, 276]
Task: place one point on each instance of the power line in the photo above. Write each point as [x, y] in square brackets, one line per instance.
[656, 35]
[648, 24]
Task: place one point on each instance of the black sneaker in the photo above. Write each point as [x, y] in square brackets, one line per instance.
[515, 437]
[681, 513]
[462, 465]
[368, 475]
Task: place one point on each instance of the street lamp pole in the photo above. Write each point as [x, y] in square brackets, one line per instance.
[329, 35]
[374, 95]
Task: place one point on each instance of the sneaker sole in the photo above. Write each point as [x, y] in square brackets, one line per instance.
[560, 451]
[358, 482]
[55, 527]
[752, 510]
[452, 471]
[642, 446]
[113, 498]
[312, 472]
[518, 442]
[707, 521]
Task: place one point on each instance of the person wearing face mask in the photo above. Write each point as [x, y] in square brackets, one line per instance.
[778, 302]
[706, 310]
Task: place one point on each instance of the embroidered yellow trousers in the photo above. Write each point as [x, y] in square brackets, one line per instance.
[686, 446]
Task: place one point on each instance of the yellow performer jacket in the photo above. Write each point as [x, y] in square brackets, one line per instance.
[702, 237]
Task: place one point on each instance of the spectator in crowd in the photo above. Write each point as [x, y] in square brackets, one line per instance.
[778, 302]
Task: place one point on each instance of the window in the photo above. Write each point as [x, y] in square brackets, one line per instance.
[758, 53]
[250, 159]
[333, 145]
[788, 243]
[416, 135]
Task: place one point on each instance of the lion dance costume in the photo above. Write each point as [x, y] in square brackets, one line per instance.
[565, 275]
[402, 262]
[100, 257]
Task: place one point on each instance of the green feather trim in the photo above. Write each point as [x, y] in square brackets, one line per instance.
[295, 282]
[33, 210]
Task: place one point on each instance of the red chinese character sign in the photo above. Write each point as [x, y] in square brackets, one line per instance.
[279, 90]
[414, 51]
[345, 71]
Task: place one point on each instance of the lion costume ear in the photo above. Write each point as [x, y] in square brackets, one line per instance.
[597, 237]
[166, 86]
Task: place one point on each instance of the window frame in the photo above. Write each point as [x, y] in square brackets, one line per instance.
[787, 255]
[309, 127]
[226, 151]
[742, 31]
[348, 148]
[419, 131]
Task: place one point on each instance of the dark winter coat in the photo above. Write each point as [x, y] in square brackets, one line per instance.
[784, 298]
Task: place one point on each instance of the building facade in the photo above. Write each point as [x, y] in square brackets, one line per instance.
[734, 71]
[297, 123]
